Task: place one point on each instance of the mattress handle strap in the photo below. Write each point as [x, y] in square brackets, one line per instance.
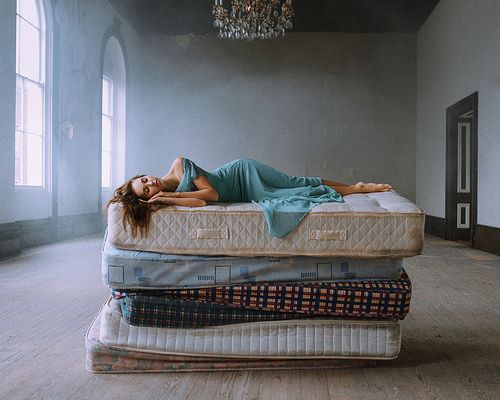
[202, 233]
[319, 234]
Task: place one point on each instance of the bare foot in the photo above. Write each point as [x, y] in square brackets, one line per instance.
[362, 187]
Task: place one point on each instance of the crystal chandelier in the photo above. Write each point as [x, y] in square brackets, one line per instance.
[253, 19]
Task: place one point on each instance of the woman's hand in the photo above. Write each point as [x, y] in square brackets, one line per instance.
[158, 200]
[172, 198]
[162, 195]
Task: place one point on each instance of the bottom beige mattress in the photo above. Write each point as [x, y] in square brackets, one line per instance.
[272, 340]
[111, 360]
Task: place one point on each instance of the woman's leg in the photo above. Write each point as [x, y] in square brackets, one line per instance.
[360, 187]
[276, 178]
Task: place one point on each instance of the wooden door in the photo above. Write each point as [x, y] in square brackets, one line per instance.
[461, 167]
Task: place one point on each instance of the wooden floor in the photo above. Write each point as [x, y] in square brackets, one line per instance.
[450, 350]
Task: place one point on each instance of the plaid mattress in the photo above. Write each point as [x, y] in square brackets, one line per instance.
[167, 312]
[221, 305]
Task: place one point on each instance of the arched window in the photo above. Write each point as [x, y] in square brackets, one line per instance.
[31, 94]
[113, 116]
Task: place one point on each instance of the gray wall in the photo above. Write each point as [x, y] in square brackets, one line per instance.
[309, 104]
[458, 54]
[7, 107]
[82, 25]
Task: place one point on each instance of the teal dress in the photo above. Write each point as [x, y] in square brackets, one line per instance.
[284, 199]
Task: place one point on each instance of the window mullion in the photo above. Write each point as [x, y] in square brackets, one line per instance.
[28, 22]
[38, 83]
[18, 44]
[112, 141]
[41, 59]
[24, 159]
[111, 150]
[24, 153]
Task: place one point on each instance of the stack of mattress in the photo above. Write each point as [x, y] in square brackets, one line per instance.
[209, 289]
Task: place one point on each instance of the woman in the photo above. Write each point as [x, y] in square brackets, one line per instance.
[284, 199]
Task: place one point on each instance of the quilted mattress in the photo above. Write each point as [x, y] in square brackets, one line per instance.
[114, 360]
[201, 307]
[127, 269]
[366, 225]
[317, 338]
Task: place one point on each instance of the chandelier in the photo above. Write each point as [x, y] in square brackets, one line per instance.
[253, 19]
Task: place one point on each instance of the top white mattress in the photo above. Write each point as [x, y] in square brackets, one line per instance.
[366, 225]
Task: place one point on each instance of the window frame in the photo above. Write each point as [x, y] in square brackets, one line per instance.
[114, 67]
[24, 194]
[44, 83]
[112, 140]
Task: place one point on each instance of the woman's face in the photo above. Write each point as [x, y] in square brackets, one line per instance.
[146, 186]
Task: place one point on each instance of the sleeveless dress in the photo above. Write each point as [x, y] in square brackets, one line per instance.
[284, 199]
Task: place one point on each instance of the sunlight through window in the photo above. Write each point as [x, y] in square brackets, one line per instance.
[30, 94]
[113, 117]
[107, 131]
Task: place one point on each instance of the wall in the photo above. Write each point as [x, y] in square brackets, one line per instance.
[309, 104]
[77, 94]
[7, 107]
[29, 216]
[84, 24]
[458, 54]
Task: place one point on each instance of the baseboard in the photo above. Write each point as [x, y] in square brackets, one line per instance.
[435, 226]
[487, 238]
[34, 232]
[71, 226]
[10, 239]
[15, 236]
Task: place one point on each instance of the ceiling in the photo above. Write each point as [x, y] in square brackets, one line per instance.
[181, 17]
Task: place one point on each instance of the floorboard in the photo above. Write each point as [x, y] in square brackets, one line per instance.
[450, 346]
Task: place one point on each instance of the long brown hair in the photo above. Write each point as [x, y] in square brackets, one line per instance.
[136, 214]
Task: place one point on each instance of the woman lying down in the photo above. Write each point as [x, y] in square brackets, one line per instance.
[284, 199]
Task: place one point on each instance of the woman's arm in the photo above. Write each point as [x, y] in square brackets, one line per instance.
[169, 201]
[205, 192]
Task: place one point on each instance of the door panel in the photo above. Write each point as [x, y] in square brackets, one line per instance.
[463, 157]
[461, 161]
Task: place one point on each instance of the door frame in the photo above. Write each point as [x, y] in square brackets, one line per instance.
[453, 112]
